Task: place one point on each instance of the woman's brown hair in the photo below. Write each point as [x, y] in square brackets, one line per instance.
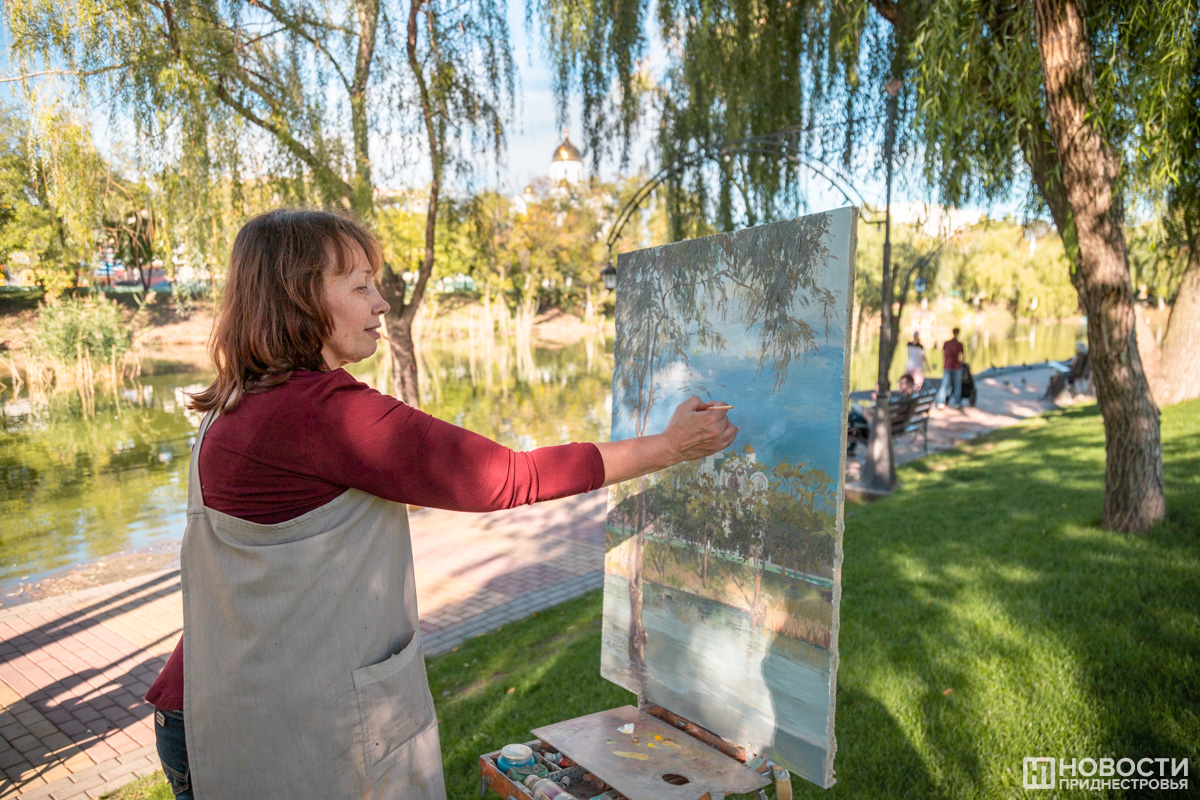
[273, 319]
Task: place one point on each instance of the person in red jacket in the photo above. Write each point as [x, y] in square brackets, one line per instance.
[952, 363]
[304, 674]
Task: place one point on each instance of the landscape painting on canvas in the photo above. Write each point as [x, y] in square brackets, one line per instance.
[722, 576]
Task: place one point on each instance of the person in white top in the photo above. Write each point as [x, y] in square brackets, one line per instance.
[915, 365]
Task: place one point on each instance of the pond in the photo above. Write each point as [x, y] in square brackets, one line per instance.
[73, 489]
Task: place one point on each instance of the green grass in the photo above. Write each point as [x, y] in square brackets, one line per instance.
[151, 787]
[985, 617]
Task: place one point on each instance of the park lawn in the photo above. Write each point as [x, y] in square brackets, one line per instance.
[986, 617]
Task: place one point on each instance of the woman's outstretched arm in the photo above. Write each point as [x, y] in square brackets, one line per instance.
[694, 431]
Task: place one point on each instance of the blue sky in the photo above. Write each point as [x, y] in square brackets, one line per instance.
[802, 421]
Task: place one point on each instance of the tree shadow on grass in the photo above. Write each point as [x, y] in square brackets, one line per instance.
[991, 618]
[877, 753]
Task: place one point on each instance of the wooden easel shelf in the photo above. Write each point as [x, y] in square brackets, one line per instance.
[638, 755]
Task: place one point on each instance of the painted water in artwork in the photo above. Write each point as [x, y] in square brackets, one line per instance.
[722, 576]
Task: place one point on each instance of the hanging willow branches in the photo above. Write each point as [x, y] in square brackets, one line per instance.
[228, 97]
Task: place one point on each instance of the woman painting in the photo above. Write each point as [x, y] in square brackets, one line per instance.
[301, 648]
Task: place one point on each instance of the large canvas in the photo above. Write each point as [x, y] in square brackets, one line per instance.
[722, 576]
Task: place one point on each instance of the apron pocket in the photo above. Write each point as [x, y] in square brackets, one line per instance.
[394, 703]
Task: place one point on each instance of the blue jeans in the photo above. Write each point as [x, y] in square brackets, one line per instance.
[172, 751]
[951, 376]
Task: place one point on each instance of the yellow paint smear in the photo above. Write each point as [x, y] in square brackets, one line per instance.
[627, 754]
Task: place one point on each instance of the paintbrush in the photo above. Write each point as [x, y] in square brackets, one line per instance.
[718, 408]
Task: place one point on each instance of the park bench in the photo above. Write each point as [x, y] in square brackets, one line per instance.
[910, 415]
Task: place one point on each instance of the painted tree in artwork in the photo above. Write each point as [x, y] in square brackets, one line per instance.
[674, 300]
[746, 500]
[800, 494]
[659, 305]
[672, 514]
[708, 513]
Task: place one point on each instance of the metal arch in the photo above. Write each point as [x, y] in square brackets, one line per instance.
[777, 144]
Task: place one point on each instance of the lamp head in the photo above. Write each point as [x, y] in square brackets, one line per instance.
[609, 276]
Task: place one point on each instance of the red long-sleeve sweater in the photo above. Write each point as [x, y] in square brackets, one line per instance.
[293, 448]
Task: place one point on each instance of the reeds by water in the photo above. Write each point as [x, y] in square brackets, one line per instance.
[78, 345]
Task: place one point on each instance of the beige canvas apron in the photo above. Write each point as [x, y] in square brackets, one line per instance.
[303, 672]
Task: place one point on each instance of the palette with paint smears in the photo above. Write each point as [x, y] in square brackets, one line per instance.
[646, 759]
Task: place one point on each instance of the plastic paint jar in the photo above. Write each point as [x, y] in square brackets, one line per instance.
[514, 755]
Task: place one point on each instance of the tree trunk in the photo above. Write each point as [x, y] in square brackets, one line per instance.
[1133, 492]
[363, 200]
[398, 329]
[758, 571]
[879, 473]
[637, 630]
[1174, 369]
[404, 361]
[399, 319]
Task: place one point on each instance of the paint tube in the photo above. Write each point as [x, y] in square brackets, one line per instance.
[546, 789]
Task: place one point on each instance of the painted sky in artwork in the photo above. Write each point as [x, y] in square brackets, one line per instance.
[802, 421]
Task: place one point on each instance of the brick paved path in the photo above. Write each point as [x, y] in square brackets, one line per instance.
[73, 669]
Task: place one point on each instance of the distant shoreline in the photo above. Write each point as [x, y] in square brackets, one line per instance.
[173, 343]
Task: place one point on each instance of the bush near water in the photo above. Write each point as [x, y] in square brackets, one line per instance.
[76, 343]
[76, 328]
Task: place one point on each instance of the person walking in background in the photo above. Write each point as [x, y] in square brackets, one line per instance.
[952, 353]
[915, 366]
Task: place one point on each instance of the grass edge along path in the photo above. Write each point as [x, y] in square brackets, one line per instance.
[986, 617]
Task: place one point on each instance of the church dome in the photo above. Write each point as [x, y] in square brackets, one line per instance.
[566, 151]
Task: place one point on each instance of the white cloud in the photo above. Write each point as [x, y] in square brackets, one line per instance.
[677, 378]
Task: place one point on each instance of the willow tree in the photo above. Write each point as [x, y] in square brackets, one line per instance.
[994, 93]
[210, 85]
[1085, 98]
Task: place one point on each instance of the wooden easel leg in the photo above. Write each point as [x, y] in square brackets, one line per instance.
[783, 784]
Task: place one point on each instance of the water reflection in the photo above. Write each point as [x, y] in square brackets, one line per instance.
[732, 675]
[73, 489]
[522, 397]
